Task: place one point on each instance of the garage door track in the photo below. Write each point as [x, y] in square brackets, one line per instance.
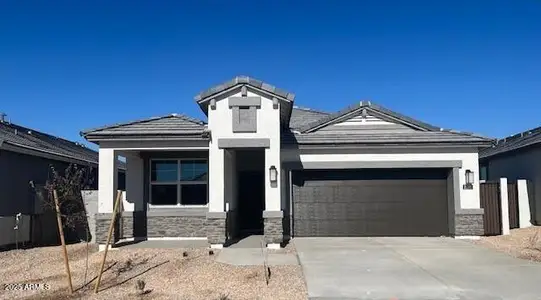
[413, 268]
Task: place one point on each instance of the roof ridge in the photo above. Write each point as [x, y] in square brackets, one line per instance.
[466, 133]
[512, 137]
[243, 79]
[188, 118]
[311, 110]
[139, 121]
[369, 104]
[49, 135]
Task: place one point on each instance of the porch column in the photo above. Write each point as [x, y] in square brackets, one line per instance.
[107, 189]
[216, 216]
[107, 180]
[134, 183]
[133, 216]
[273, 216]
[216, 180]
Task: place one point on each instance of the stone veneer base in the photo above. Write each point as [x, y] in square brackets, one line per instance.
[273, 229]
[469, 222]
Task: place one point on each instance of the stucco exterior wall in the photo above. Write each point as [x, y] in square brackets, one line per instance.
[220, 123]
[522, 164]
[468, 157]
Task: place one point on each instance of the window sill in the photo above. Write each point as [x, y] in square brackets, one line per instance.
[177, 211]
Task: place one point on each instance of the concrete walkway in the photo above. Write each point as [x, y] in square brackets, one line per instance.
[254, 257]
[413, 268]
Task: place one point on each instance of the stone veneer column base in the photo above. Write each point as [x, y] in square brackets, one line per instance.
[216, 228]
[469, 223]
[273, 227]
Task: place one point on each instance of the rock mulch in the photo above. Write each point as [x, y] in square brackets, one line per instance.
[523, 243]
[164, 273]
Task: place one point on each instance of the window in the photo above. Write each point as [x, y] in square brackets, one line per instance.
[178, 182]
[483, 173]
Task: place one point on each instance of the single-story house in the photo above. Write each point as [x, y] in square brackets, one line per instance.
[260, 165]
[26, 156]
[517, 157]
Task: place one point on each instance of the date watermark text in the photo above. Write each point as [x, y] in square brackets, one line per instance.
[25, 286]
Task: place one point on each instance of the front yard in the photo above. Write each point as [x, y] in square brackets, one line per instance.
[166, 273]
[523, 243]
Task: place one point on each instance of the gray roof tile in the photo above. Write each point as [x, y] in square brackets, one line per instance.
[244, 80]
[173, 124]
[413, 137]
[524, 139]
[426, 133]
[302, 116]
[366, 104]
[25, 137]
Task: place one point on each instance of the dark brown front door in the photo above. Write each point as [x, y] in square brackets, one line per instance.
[370, 202]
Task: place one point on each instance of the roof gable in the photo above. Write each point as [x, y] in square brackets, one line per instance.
[245, 83]
[367, 123]
[367, 114]
[243, 80]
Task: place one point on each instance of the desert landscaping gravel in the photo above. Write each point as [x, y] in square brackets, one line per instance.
[523, 243]
[166, 274]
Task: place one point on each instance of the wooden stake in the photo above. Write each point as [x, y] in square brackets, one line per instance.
[111, 227]
[61, 232]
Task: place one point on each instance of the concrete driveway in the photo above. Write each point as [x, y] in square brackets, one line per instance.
[413, 268]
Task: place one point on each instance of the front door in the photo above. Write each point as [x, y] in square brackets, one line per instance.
[251, 195]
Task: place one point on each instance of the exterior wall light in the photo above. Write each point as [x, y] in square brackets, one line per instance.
[273, 174]
[469, 180]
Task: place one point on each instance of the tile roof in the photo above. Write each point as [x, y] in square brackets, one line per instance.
[24, 137]
[425, 133]
[301, 116]
[244, 80]
[524, 139]
[173, 124]
[413, 137]
[366, 104]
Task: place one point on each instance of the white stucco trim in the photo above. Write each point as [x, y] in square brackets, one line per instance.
[524, 214]
[504, 207]
[107, 180]
[467, 237]
[165, 238]
[101, 247]
[273, 246]
[216, 246]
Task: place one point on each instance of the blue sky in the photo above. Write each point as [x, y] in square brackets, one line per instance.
[468, 65]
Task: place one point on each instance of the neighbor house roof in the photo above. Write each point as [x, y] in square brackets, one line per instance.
[422, 133]
[515, 142]
[168, 126]
[25, 140]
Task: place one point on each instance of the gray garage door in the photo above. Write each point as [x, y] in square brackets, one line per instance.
[370, 202]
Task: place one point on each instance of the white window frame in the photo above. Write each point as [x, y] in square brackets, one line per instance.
[178, 183]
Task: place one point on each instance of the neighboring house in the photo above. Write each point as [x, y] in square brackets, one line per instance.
[517, 157]
[26, 156]
[261, 165]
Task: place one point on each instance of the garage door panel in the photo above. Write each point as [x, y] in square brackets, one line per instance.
[389, 205]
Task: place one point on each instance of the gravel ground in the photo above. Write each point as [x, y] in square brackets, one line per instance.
[166, 272]
[522, 243]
